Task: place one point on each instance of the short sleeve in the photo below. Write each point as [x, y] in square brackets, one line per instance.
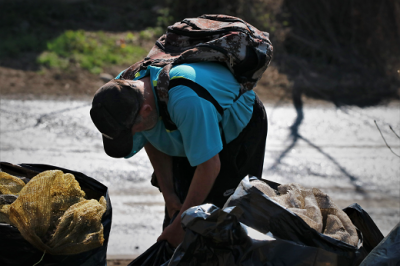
[197, 121]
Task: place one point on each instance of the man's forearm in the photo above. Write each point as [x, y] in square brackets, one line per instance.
[202, 183]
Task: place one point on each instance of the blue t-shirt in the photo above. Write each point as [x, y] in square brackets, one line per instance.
[198, 136]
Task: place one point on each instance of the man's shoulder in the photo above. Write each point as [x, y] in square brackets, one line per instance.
[193, 69]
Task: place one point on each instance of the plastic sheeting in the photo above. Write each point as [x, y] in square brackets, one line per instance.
[387, 252]
[16, 251]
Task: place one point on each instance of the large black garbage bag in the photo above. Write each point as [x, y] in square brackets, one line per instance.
[16, 251]
[216, 237]
[265, 215]
[387, 252]
[227, 237]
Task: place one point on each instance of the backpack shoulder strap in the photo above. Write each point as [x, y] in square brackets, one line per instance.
[197, 88]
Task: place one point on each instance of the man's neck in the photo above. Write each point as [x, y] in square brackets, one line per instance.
[148, 92]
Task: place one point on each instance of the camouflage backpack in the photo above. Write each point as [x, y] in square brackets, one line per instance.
[245, 50]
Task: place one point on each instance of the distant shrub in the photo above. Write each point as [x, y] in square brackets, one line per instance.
[52, 60]
[90, 50]
[151, 33]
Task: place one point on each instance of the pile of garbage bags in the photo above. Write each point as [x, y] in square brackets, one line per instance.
[264, 223]
[54, 214]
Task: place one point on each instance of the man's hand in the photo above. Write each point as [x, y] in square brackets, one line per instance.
[173, 233]
[202, 182]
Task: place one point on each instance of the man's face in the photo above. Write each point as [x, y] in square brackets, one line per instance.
[145, 123]
[140, 125]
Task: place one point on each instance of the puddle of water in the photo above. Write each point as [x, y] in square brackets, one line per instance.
[337, 150]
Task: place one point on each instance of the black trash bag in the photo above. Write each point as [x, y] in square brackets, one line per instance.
[216, 237]
[387, 252]
[158, 254]
[265, 215]
[372, 236]
[16, 251]
[254, 230]
[222, 237]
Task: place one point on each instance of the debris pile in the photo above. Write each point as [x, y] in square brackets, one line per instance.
[315, 207]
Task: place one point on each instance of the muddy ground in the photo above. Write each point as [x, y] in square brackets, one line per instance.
[77, 83]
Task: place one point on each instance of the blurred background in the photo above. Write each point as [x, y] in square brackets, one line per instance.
[345, 52]
[334, 73]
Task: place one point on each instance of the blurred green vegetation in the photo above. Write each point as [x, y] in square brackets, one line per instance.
[55, 33]
[328, 49]
[90, 50]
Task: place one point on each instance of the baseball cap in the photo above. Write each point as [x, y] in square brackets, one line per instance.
[115, 108]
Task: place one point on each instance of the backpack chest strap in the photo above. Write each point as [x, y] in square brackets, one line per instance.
[198, 89]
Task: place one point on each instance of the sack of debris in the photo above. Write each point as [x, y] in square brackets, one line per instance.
[265, 223]
[59, 217]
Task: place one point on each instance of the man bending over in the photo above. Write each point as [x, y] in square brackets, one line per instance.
[218, 140]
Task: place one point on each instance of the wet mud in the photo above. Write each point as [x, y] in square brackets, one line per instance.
[338, 150]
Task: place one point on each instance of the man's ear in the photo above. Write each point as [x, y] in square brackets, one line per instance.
[145, 110]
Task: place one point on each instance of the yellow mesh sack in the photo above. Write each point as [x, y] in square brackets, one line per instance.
[80, 228]
[10, 184]
[5, 214]
[41, 211]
